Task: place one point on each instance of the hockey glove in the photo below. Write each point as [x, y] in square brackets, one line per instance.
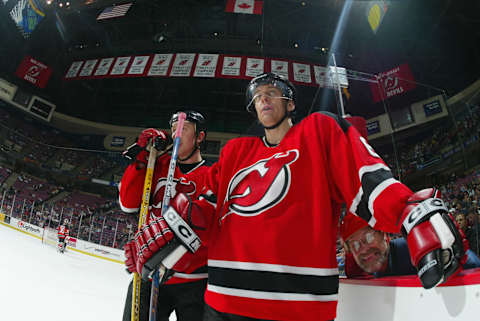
[160, 138]
[162, 235]
[435, 244]
[137, 151]
[131, 256]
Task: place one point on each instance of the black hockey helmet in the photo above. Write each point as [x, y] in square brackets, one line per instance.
[286, 87]
[193, 117]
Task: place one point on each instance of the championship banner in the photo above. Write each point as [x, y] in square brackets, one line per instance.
[104, 66]
[321, 74]
[231, 66]
[160, 65]
[182, 65]
[138, 65]
[279, 67]
[120, 66]
[88, 68]
[392, 82]
[301, 73]
[206, 65]
[255, 67]
[34, 71]
[74, 68]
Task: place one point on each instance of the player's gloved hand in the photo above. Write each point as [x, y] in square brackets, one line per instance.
[161, 236]
[137, 151]
[131, 256]
[161, 139]
[434, 241]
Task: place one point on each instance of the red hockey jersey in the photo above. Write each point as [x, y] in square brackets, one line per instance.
[130, 199]
[272, 253]
[62, 232]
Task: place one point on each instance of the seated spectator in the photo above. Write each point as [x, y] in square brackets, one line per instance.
[375, 253]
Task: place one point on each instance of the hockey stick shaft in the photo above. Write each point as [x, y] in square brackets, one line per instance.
[147, 187]
[166, 201]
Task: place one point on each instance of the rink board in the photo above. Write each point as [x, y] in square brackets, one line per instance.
[403, 298]
[74, 244]
[384, 299]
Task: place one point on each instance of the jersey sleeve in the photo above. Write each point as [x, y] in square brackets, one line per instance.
[362, 178]
[130, 189]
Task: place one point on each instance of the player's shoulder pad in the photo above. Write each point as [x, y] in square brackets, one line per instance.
[344, 124]
[235, 143]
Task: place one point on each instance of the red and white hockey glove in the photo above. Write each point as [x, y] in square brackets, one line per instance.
[435, 243]
[161, 140]
[162, 235]
[131, 256]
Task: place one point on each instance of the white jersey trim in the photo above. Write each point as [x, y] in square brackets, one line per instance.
[271, 295]
[190, 276]
[377, 191]
[273, 268]
[127, 209]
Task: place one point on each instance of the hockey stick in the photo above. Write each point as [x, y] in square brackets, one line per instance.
[166, 201]
[147, 187]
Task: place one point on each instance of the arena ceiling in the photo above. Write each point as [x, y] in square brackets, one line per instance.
[439, 39]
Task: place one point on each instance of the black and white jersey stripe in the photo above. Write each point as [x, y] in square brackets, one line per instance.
[374, 180]
[272, 281]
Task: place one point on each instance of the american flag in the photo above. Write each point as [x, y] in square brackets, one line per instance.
[114, 11]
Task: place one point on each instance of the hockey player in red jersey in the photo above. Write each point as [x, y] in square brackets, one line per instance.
[270, 212]
[183, 292]
[62, 235]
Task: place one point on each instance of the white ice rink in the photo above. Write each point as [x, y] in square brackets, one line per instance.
[40, 284]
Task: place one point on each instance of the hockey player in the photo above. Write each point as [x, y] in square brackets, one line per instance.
[270, 213]
[62, 234]
[183, 292]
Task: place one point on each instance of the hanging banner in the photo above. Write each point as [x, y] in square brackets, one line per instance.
[34, 72]
[206, 65]
[182, 65]
[392, 82]
[138, 65]
[160, 65]
[301, 73]
[120, 66]
[231, 66]
[104, 66]
[255, 67]
[88, 68]
[279, 67]
[74, 68]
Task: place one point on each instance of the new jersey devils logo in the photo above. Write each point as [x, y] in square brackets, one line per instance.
[181, 185]
[260, 186]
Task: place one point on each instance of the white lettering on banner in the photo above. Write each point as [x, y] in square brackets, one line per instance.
[206, 65]
[160, 65]
[120, 66]
[388, 73]
[138, 65]
[182, 66]
[231, 66]
[38, 63]
[104, 66]
[30, 79]
[279, 67]
[74, 68]
[395, 91]
[88, 67]
[255, 67]
[301, 73]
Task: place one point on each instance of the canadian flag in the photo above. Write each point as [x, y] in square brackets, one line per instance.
[244, 6]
